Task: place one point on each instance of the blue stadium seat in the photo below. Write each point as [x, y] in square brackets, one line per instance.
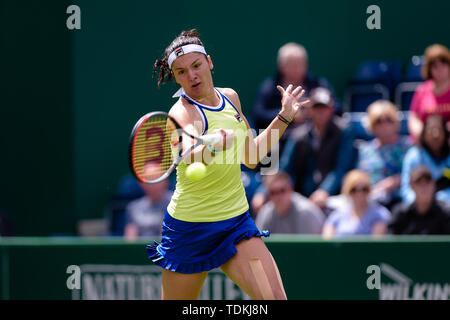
[395, 68]
[403, 115]
[387, 73]
[412, 78]
[373, 80]
[358, 123]
[128, 189]
[359, 96]
[414, 69]
[404, 94]
[372, 71]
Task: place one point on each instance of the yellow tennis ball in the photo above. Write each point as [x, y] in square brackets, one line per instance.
[196, 171]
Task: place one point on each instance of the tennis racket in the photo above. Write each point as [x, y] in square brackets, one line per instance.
[156, 144]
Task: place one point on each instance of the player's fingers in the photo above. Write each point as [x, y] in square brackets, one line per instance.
[300, 94]
[297, 91]
[229, 133]
[289, 89]
[221, 132]
[229, 138]
[303, 103]
[224, 135]
[300, 105]
[280, 88]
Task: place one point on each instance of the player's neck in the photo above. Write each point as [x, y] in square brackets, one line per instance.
[210, 98]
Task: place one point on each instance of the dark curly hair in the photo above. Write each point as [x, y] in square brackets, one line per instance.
[186, 37]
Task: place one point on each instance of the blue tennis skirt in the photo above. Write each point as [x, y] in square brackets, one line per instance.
[193, 247]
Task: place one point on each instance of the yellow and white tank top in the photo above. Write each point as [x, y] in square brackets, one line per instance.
[220, 195]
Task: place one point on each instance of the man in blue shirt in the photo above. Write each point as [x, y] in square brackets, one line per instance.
[320, 152]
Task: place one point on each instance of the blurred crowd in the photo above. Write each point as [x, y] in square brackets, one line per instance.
[375, 163]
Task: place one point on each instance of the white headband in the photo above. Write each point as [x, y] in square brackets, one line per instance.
[184, 50]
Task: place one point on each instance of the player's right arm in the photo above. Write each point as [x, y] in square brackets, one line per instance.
[257, 147]
[191, 122]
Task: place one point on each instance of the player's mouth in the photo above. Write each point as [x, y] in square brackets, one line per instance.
[196, 85]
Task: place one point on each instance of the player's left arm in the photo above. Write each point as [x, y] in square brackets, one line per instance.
[257, 147]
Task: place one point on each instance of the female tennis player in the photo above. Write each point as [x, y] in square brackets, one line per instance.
[207, 223]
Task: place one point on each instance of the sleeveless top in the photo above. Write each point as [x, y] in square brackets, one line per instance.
[220, 195]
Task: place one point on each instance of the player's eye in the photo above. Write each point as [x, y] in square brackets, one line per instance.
[180, 72]
[197, 65]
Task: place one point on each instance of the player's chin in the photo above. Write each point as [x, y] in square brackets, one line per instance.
[195, 91]
[196, 87]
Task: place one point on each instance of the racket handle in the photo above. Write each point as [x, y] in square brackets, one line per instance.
[211, 138]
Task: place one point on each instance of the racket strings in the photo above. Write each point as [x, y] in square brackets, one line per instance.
[155, 148]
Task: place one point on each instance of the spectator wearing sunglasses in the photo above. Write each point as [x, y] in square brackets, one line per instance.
[361, 216]
[426, 215]
[432, 96]
[382, 157]
[288, 211]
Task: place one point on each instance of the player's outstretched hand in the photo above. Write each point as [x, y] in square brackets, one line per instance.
[290, 101]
